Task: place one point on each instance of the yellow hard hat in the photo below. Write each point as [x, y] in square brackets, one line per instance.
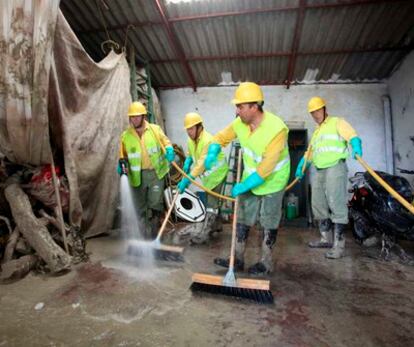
[192, 119]
[247, 92]
[136, 109]
[316, 103]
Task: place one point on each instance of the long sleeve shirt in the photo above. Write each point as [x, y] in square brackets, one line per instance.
[344, 129]
[270, 156]
[199, 168]
[159, 136]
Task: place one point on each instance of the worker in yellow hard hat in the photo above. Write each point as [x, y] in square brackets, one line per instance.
[263, 139]
[329, 151]
[142, 159]
[198, 139]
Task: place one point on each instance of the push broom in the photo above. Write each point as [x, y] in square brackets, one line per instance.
[256, 290]
[165, 252]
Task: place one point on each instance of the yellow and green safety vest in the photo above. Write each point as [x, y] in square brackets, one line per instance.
[213, 177]
[328, 147]
[132, 146]
[254, 146]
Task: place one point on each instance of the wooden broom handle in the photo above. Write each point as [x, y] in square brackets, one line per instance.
[236, 206]
[167, 216]
[385, 185]
[303, 169]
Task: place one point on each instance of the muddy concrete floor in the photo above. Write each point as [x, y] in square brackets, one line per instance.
[114, 301]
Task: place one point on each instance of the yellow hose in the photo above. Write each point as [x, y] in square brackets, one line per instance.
[217, 195]
[296, 180]
[386, 186]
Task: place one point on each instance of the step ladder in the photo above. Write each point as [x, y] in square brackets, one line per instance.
[141, 89]
[225, 207]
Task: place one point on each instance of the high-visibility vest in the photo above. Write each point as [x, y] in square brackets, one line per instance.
[132, 146]
[328, 147]
[213, 177]
[254, 146]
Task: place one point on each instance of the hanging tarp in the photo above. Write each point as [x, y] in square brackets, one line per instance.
[51, 91]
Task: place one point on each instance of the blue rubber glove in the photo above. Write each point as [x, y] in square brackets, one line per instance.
[211, 158]
[187, 164]
[183, 184]
[169, 154]
[356, 144]
[122, 167]
[251, 182]
[298, 174]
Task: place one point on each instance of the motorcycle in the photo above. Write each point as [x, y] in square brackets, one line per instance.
[377, 216]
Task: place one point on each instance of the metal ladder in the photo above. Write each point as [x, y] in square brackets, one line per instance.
[136, 87]
[226, 208]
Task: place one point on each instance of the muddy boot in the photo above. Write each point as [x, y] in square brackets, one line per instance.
[325, 241]
[242, 232]
[265, 265]
[338, 248]
[217, 225]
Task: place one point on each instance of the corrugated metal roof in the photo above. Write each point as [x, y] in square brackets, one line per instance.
[351, 42]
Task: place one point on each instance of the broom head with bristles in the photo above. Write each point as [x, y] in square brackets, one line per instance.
[160, 251]
[245, 288]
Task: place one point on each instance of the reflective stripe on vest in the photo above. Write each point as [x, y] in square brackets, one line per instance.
[132, 145]
[278, 166]
[328, 147]
[254, 145]
[213, 169]
[213, 177]
[134, 155]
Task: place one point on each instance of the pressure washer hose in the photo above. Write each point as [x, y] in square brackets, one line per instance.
[386, 186]
[296, 180]
[217, 195]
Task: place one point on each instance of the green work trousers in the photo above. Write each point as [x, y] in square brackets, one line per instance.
[329, 193]
[212, 201]
[264, 209]
[148, 197]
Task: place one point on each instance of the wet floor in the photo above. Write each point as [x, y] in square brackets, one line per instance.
[114, 301]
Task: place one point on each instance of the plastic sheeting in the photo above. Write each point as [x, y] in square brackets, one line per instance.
[53, 95]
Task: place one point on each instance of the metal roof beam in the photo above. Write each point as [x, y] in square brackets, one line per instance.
[295, 43]
[288, 54]
[244, 12]
[175, 44]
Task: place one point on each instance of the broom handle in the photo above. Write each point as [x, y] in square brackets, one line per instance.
[386, 186]
[236, 206]
[167, 216]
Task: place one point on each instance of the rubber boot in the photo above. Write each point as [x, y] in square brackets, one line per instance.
[338, 248]
[242, 232]
[325, 241]
[217, 225]
[265, 265]
[203, 230]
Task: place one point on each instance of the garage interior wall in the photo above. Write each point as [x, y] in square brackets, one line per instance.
[360, 104]
[401, 91]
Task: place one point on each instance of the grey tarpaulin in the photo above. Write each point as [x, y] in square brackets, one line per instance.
[51, 91]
